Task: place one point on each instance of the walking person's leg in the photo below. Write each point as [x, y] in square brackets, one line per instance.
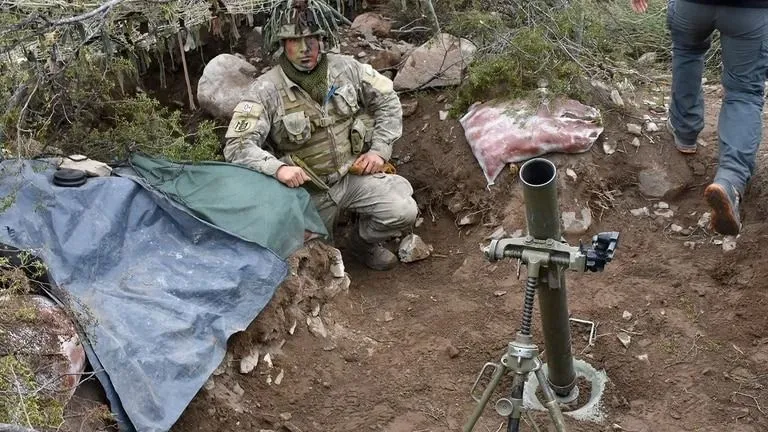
[744, 38]
[691, 26]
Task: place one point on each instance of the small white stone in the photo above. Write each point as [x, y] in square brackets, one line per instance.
[666, 213]
[634, 129]
[642, 211]
[293, 327]
[676, 228]
[729, 243]
[443, 115]
[316, 327]
[268, 360]
[609, 147]
[280, 377]
[704, 220]
[624, 338]
[499, 293]
[636, 142]
[418, 222]
[690, 244]
[249, 362]
[627, 315]
[651, 127]
[571, 173]
[362, 54]
[662, 205]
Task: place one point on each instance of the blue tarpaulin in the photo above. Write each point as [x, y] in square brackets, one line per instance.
[157, 291]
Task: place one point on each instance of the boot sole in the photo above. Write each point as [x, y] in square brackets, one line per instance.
[723, 220]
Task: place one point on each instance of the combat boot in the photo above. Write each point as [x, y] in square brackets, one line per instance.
[373, 255]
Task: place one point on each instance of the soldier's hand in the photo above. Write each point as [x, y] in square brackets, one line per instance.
[369, 163]
[291, 176]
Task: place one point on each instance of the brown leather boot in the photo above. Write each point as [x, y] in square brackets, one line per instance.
[373, 255]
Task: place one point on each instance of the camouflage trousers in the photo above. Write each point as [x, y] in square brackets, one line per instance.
[384, 203]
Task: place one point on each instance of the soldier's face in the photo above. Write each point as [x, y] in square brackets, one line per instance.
[303, 52]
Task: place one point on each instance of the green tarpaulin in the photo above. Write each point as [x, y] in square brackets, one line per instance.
[238, 200]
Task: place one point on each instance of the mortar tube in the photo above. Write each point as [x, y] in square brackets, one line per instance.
[539, 178]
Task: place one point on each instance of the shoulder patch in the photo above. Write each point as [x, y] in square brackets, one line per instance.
[376, 80]
[244, 119]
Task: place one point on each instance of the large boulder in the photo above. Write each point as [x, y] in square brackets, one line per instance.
[42, 358]
[372, 24]
[225, 79]
[439, 62]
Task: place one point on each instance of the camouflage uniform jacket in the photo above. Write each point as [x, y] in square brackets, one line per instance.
[276, 114]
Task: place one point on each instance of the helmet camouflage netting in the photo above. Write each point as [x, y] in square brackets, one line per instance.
[299, 18]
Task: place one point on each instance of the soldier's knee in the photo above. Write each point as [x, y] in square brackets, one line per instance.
[405, 212]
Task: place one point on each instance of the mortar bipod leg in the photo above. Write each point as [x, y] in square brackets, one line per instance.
[551, 403]
[495, 379]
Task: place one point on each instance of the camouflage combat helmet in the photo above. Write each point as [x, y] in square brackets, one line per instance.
[300, 18]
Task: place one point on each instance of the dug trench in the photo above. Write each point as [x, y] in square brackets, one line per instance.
[404, 347]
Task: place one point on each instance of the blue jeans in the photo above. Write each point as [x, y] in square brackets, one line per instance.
[744, 43]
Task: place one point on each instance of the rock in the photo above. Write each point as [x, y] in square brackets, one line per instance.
[316, 326]
[571, 173]
[634, 129]
[361, 54]
[624, 338]
[91, 167]
[616, 98]
[651, 127]
[665, 213]
[609, 147]
[452, 351]
[443, 115]
[386, 60]
[499, 293]
[224, 81]
[636, 142]
[249, 362]
[419, 222]
[456, 203]
[661, 183]
[286, 416]
[279, 377]
[439, 62]
[409, 107]
[210, 384]
[388, 316]
[238, 390]
[729, 243]
[469, 219]
[676, 228]
[661, 205]
[337, 264]
[690, 244]
[647, 58]
[41, 343]
[704, 220]
[412, 248]
[572, 225]
[371, 23]
[626, 316]
[642, 211]
[497, 234]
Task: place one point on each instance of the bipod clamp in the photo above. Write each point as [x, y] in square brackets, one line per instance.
[558, 253]
[521, 358]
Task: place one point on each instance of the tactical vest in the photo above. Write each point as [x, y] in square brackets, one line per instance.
[323, 137]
